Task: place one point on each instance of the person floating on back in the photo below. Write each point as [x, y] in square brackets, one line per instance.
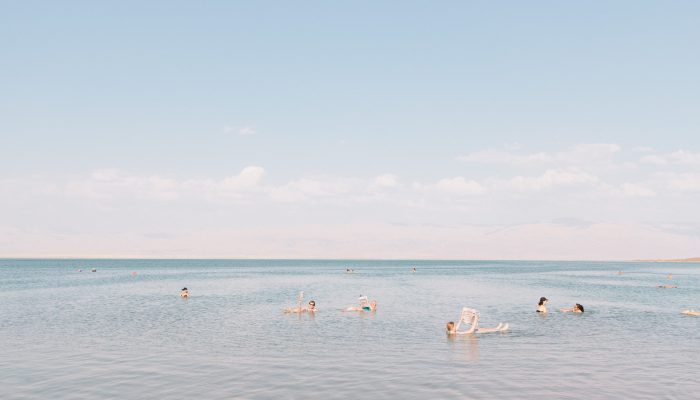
[184, 293]
[577, 308]
[691, 312]
[365, 305]
[471, 317]
[541, 307]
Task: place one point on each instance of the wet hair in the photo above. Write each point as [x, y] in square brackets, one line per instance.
[578, 306]
[312, 303]
[450, 326]
[542, 300]
[184, 288]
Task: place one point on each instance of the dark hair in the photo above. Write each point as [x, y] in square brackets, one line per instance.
[184, 288]
[542, 300]
[580, 307]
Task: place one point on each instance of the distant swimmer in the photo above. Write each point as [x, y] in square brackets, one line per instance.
[577, 308]
[413, 270]
[349, 270]
[93, 270]
[80, 270]
[667, 286]
[670, 276]
[184, 293]
[365, 305]
[691, 312]
[542, 305]
[471, 317]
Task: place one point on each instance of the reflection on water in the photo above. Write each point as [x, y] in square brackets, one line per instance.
[123, 331]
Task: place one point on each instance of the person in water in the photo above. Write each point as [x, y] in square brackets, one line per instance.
[541, 306]
[184, 293]
[365, 305]
[667, 286]
[299, 309]
[471, 317]
[691, 312]
[577, 308]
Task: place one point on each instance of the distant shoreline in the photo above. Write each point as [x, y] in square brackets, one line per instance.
[677, 260]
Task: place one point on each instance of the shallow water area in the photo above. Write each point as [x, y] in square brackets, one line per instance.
[112, 333]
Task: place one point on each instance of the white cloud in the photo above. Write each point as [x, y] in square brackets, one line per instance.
[635, 190]
[686, 182]
[551, 178]
[241, 130]
[460, 186]
[582, 154]
[386, 181]
[680, 157]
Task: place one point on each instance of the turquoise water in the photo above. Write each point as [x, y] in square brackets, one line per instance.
[83, 335]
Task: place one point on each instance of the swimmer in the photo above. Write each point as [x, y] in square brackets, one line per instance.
[667, 286]
[541, 307]
[349, 271]
[577, 308]
[365, 305]
[670, 276]
[471, 316]
[691, 312]
[93, 270]
[414, 270]
[298, 310]
[184, 293]
[80, 270]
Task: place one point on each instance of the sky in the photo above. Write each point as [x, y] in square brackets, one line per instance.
[364, 129]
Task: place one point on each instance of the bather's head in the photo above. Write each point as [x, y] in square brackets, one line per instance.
[450, 327]
[543, 300]
[578, 308]
[312, 305]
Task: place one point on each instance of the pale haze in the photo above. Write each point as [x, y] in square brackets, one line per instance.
[400, 130]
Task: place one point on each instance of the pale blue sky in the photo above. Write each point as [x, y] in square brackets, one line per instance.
[324, 97]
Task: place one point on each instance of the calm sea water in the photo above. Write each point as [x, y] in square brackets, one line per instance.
[81, 335]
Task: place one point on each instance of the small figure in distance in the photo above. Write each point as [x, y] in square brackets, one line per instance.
[577, 308]
[670, 275]
[471, 316]
[365, 305]
[691, 312]
[93, 270]
[413, 270]
[667, 286]
[184, 293]
[541, 307]
[80, 270]
[349, 270]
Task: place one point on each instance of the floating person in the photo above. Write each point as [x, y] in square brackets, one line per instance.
[93, 270]
[413, 270]
[577, 308]
[299, 309]
[691, 312]
[541, 306]
[365, 305]
[185, 293]
[667, 286]
[471, 317]
[349, 270]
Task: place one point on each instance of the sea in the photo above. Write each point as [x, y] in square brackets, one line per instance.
[123, 331]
